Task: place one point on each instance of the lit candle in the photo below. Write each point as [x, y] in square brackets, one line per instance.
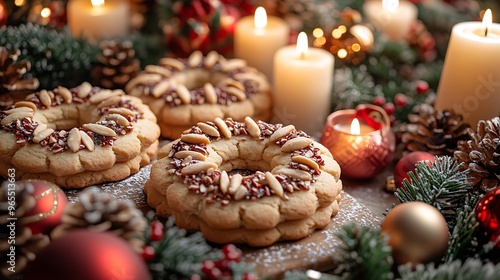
[96, 19]
[258, 37]
[470, 81]
[303, 79]
[393, 17]
[360, 150]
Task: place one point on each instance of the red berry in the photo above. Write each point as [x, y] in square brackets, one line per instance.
[148, 253]
[207, 265]
[214, 273]
[389, 108]
[400, 100]
[228, 248]
[250, 276]
[222, 264]
[234, 255]
[195, 277]
[422, 87]
[378, 100]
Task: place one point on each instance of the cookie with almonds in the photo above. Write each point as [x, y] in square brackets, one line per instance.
[245, 182]
[183, 92]
[77, 137]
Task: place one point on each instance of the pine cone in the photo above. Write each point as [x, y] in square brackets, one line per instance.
[26, 244]
[117, 65]
[100, 212]
[12, 85]
[436, 132]
[481, 155]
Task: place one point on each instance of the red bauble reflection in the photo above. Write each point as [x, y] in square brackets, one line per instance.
[407, 164]
[84, 255]
[488, 214]
[48, 209]
[3, 13]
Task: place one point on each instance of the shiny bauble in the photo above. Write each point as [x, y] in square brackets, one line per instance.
[488, 215]
[407, 164]
[3, 13]
[417, 233]
[48, 209]
[84, 255]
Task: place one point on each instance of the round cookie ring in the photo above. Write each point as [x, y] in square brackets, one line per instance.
[293, 187]
[183, 92]
[78, 137]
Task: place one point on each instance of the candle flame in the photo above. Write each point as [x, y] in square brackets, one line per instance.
[97, 3]
[260, 18]
[390, 5]
[487, 21]
[302, 45]
[355, 128]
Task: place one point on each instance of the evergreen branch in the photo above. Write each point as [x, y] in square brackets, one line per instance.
[364, 254]
[471, 269]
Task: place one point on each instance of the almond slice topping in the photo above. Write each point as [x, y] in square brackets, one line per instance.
[233, 64]
[233, 83]
[65, 93]
[104, 94]
[224, 182]
[84, 90]
[195, 138]
[240, 193]
[155, 69]
[16, 116]
[208, 129]
[87, 141]
[39, 128]
[184, 94]
[198, 167]
[282, 132]
[295, 144]
[28, 104]
[252, 127]
[194, 155]
[143, 79]
[210, 93]
[294, 173]
[109, 102]
[19, 110]
[224, 129]
[236, 180]
[211, 59]
[45, 98]
[195, 59]
[74, 139]
[43, 135]
[173, 63]
[235, 92]
[161, 88]
[307, 161]
[99, 129]
[274, 184]
[119, 119]
[122, 111]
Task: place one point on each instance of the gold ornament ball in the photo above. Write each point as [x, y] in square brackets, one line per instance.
[417, 232]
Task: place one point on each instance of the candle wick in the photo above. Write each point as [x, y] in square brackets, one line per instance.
[486, 32]
[302, 55]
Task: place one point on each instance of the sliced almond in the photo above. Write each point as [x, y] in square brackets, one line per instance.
[195, 59]
[173, 63]
[224, 182]
[233, 64]
[296, 144]
[208, 129]
[45, 98]
[282, 132]
[19, 110]
[295, 173]
[245, 76]
[156, 69]
[43, 135]
[235, 183]
[233, 83]
[274, 184]
[109, 101]
[122, 111]
[65, 93]
[99, 129]
[236, 92]
[143, 79]
[184, 94]
[194, 155]
[307, 161]
[74, 140]
[84, 90]
[119, 119]
[15, 116]
[39, 128]
[195, 138]
[224, 129]
[240, 193]
[28, 104]
[161, 88]
[210, 93]
[105, 94]
[87, 141]
[198, 167]
[211, 58]
[252, 127]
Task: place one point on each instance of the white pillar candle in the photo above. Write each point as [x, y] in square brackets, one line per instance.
[470, 81]
[258, 37]
[393, 17]
[97, 19]
[302, 86]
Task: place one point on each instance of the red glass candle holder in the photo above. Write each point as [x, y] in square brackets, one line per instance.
[363, 155]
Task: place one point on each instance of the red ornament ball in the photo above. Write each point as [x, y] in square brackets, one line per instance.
[401, 100]
[84, 255]
[422, 87]
[48, 209]
[378, 100]
[407, 164]
[389, 108]
[488, 214]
